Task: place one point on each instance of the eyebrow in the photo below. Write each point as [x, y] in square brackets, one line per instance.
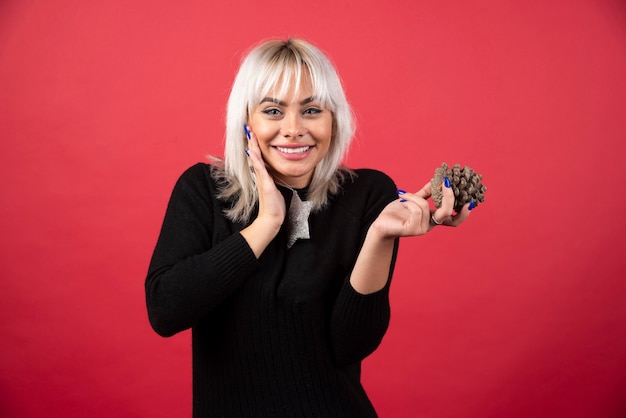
[281, 103]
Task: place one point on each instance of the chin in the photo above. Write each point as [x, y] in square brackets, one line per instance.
[297, 179]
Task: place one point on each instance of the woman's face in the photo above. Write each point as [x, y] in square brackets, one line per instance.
[294, 134]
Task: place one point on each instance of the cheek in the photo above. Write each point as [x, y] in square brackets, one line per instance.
[329, 128]
[325, 130]
[263, 132]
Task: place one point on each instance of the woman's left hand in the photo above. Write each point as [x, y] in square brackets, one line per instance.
[411, 215]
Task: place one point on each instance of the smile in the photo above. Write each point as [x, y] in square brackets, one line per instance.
[298, 150]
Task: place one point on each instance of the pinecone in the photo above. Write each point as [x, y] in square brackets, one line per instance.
[466, 185]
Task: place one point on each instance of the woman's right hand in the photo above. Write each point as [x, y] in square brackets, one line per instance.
[272, 208]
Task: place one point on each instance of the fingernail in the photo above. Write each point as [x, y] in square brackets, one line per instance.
[472, 205]
[247, 153]
[246, 130]
[446, 182]
[400, 191]
[402, 200]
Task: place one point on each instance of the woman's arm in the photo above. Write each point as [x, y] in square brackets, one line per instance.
[409, 216]
[371, 271]
[271, 203]
[361, 313]
[198, 261]
[188, 276]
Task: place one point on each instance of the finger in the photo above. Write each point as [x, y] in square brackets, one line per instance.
[413, 197]
[461, 216]
[254, 152]
[443, 214]
[419, 208]
[425, 192]
[255, 160]
[253, 145]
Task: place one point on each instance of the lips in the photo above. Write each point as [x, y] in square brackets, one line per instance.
[293, 150]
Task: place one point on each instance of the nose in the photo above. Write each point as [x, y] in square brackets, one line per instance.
[292, 126]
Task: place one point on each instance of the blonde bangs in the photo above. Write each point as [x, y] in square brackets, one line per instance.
[284, 72]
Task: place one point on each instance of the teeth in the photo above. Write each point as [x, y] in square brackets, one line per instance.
[293, 150]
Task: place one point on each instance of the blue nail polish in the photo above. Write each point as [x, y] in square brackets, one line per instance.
[402, 200]
[400, 191]
[247, 153]
[472, 205]
[246, 130]
[446, 182]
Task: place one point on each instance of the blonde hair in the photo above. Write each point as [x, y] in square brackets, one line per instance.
[273, 66]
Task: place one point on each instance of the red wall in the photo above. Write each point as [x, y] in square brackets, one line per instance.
[519, 313]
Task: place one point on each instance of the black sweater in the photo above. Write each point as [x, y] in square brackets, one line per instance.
[281, 336]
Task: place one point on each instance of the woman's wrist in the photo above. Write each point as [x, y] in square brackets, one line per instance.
[371, 271]
[378, 232]
[260, 233]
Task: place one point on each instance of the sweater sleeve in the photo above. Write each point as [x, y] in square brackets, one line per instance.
[188, 275]
[359, 322]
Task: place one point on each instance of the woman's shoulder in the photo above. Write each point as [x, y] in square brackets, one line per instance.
[366, 186]
[364, 194]
[198, 177]
[372, 179]
[197, 170]
[201, 172]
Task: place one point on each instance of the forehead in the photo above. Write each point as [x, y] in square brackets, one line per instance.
[290, 83]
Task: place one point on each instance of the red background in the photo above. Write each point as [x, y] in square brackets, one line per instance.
[519, 313]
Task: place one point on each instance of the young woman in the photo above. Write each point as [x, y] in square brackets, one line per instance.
[279, 258]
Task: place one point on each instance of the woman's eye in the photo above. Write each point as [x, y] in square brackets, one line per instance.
[312, 111]
[271, 111]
